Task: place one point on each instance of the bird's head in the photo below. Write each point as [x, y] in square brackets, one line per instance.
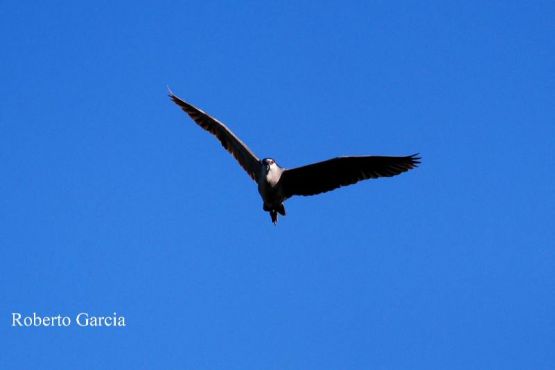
[268, 164]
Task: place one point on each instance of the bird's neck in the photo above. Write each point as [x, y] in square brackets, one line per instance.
[273, 175]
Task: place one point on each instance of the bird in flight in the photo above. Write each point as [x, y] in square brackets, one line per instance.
[276, 184]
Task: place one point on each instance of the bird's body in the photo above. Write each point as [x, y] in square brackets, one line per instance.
[276, 184]
[270, 189]
[268, 180]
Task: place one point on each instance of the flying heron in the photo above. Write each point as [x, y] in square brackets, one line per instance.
[276, 184]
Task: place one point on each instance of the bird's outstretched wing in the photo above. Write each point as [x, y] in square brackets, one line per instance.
[230, 142]
[342, 171]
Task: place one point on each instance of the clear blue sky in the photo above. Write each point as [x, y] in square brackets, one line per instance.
[114, 201]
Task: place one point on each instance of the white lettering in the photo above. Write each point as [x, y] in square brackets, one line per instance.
[16, 317]
[37, 320]
[82, 319]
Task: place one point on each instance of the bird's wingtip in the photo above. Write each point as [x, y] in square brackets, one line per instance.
[170, 92]
[416, 158]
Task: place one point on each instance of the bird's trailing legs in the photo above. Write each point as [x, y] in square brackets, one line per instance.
[274, 213]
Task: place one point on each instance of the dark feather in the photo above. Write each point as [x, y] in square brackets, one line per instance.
[229, 141]
[324, 176]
